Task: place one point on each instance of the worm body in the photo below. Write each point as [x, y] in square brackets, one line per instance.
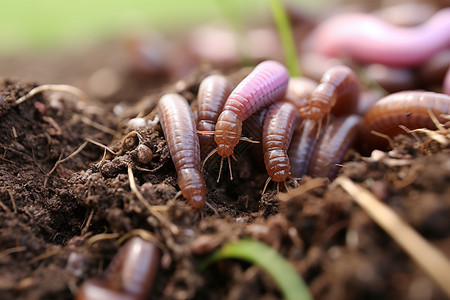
[332, 146]
[180, 132]
[212, 94]
[446, 85]
[281, 120]
[134, 267]
[266, 84]
[301, 149]
[298, 91]
[404, 108]
[130, 274]
[368, 39]
[338, 90]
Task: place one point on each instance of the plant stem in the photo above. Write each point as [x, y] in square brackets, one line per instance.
[285, 31]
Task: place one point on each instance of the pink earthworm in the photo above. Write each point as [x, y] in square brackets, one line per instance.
[408, 108]
[281, 120]
[265, 85]
[368, 39]
[332, 146]
[212, 95]
[180, 132]
[130, 274]
[337, 92]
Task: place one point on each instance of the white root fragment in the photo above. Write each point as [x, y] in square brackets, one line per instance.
[53, 88]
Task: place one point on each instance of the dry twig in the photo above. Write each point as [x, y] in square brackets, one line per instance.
[429, 258]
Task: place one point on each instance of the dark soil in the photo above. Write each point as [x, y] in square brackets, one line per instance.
[49, 215]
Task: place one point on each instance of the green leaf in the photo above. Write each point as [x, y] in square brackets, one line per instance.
[291, 284]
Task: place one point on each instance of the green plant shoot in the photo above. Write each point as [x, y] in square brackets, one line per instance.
[291, 284]
[285, 31]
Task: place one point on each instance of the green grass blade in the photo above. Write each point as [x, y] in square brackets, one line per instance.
[291, 284]
[287, 39]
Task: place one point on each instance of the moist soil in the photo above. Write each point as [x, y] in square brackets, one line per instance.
[61, 220]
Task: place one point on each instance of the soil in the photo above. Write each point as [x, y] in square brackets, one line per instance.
[50, 210]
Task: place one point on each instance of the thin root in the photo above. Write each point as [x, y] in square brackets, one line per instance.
[154, 210]
[384, 136]
[53, 88]
[309, 185]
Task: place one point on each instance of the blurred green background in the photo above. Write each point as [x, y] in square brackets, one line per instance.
[33, 25]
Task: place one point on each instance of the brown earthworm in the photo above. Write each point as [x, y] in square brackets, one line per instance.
[180, 132]
[97, 289]
[368, 39]
[408, 108]
[281, 120]
[298, 90]
[212, 94]
[332, 146]
[266, 84]
[446, 85]
[130, 274]
[301, 149]
[337, 92]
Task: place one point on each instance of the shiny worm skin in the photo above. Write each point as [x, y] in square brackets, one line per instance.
[408, 108]
[366, 38]
[281, 120]
[298, 90]
[212, 95]
[130, 274]
[266, 84]
[301, 149]
[332, 146]
[337, 92]
[179, 129]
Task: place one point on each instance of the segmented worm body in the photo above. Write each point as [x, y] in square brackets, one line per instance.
[301, 149]
[130, 274]
[368, 39]
[298, 90]
[332, 146]
[212, 94]
[407, 108]
[281, 120]
[180, 132]
[266, 84]
[337, 92]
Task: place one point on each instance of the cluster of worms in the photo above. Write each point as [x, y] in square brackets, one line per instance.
[308, 126]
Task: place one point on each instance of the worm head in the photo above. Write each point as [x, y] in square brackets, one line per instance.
[228, 132]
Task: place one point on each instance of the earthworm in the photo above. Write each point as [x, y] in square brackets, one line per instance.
[212, 94]
[301, 149]
[332, 146]
[298, 90]
[338, 91]
[446, 85]
[97, 289]
[134, 267]
[281, 120]
[130, 274]
[180, 132]
[408, 108]
[266, 84]
[368, 39]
